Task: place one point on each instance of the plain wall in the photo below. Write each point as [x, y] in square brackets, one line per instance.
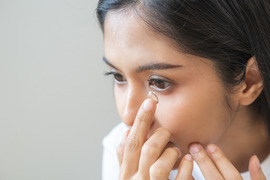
[55, 103]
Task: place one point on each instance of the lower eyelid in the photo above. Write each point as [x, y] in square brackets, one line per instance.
[158, 89]
[119, 82]
[164, 81]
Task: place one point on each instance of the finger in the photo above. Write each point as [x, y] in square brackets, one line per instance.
[121, 147]
[137, 136]
[153, 148]
[225, 167]
[161, 169]
[185, 168]
[255, 170]
[206, 165]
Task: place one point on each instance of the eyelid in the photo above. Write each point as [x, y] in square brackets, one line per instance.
[114, 73]
[158, 89]
[164, 80]
[111, 72]
[160, 78]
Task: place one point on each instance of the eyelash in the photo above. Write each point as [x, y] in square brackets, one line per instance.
[115, 74]
[154, 81]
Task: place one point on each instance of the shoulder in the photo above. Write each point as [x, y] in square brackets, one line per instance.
[114, 137]
[110, 166]
[265, 165]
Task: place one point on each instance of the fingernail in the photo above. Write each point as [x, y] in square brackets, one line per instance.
[194, 149]
[147, 105]
[188, 157]
[211, 148]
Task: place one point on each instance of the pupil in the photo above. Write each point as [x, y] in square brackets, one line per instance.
[118, 77]
[159, 84]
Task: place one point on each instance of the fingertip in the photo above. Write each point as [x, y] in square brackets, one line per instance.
[178, 151]
[255, 168]
[254, 163]
[194, 148]
[185, 168]
[120, 152]
[188, 157]
[148, 104]
[211, 148]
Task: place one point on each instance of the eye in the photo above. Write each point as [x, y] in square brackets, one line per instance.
[159, 84]
[118, 78]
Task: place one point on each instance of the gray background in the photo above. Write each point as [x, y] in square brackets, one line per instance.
[55, 103]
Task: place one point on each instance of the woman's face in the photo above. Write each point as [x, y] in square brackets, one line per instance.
[192, 103]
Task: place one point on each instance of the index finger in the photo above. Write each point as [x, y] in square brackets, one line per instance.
[138, 134]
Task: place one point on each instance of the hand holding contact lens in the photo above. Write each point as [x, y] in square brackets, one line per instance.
[153, 96]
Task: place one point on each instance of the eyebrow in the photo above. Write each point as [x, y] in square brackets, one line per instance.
[108, 63]
[151, 66]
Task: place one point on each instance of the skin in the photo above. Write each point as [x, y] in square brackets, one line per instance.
[192, 111]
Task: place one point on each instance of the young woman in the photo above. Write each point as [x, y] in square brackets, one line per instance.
[208, 62]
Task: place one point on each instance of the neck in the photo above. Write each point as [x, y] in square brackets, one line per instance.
[245, 137]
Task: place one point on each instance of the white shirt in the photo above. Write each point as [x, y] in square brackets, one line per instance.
[110, 166]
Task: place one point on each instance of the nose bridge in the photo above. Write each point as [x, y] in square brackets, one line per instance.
[134, 99]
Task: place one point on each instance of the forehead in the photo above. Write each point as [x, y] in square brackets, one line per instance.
[128, 41]
[126, 33]
[127, 27]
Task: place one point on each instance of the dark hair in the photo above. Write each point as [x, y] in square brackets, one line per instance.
[228, 32]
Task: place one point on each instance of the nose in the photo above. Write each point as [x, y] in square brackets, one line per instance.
[133, 100]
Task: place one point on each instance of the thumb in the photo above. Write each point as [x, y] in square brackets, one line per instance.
[121, 147]
[255, 169]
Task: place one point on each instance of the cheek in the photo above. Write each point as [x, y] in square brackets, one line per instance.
[193, 117]
[119, 95]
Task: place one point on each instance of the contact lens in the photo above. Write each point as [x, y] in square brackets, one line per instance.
[153, 96]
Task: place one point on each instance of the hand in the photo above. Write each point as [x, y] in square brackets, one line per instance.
[214, 164]
[153, 158]
[142, 158]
